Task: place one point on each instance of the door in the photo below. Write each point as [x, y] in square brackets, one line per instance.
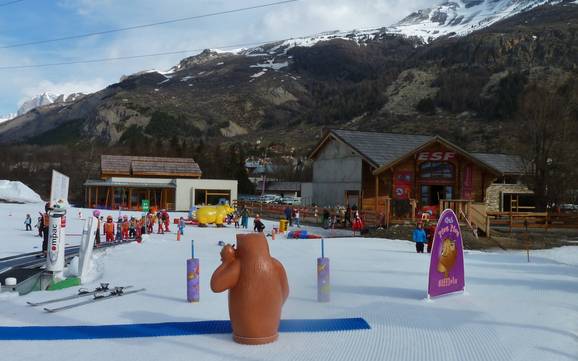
[432, 194]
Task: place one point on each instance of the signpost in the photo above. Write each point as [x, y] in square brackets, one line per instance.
[446, 270]
[57, 224]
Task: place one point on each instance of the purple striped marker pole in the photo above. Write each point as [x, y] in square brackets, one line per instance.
[193, 292]
[323, 282]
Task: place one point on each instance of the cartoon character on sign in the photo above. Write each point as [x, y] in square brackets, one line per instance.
[448, 256]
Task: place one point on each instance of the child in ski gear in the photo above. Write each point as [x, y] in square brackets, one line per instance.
[96, 214]
[119, 229]
[39, 226]
[419, 238]
[297, 216]
[166, 220]
[125, 228]
[149, 222]
[28, 222]
[108, 229]
[143, 229]
[236, 219]
[181, 226]
[258, 226]
[132, 228]
[160, 222]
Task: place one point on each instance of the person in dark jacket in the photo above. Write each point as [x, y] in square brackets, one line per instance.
[45, 225]
[419, 237]
[258, 226]
[288, 215]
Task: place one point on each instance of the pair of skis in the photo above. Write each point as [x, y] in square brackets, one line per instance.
[101, 293]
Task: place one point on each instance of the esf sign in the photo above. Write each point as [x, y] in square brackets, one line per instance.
[436, 156]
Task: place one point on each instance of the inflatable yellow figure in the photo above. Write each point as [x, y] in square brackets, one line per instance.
[213, 214]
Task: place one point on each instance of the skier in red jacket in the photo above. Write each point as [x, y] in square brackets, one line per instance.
[108, 229]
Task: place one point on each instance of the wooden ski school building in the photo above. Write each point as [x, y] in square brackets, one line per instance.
[401, 177]
[165, 183]
[404, 176]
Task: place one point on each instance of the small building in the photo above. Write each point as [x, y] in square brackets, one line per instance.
[366, 168]
[170, 183]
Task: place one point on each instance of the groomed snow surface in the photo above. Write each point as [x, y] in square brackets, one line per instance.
[512, 310]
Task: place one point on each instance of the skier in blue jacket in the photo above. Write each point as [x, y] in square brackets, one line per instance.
[419, 237]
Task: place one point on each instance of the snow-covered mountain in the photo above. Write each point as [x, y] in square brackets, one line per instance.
[461, 17]
[7, 117]
[47, 99]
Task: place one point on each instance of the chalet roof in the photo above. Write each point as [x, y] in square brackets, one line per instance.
[379, 148]
[109, 183]
[122, 165]
[505, 163]
[382, 150]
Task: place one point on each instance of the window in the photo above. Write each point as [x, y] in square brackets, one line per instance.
[436, 170]
[212, 197]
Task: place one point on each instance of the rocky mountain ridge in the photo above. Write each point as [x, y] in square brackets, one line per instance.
[288, 91]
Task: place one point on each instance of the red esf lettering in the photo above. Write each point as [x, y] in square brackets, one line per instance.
[436, 156]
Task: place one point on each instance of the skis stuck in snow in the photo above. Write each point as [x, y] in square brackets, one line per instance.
[98, 296]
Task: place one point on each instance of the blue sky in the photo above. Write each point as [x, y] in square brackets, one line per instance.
[32, 20]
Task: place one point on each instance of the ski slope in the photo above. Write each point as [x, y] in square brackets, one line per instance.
[512, 310]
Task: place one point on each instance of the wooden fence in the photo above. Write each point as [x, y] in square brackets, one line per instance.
[474, 214]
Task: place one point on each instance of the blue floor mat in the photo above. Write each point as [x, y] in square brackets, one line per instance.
[46, 333]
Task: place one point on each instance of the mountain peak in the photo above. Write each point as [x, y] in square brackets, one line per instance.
[47, 99]
[461, 17]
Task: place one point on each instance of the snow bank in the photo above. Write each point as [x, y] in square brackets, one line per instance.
[17, 192]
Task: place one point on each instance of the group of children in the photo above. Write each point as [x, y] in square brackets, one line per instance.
[242, 215]
[134, 227]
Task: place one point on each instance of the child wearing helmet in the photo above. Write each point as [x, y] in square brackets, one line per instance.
[125, 228]
[108, 229]
[132, 228]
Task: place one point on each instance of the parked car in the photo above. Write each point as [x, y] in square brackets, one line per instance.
[269, 198]
[569, 207]
[294, 201]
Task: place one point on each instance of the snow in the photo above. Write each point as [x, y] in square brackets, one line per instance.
[512, 310]
[460, 17]
[262, 72]
[566, 255]
[271, 65]
[187, 78]
[7, 117]
[15, 191]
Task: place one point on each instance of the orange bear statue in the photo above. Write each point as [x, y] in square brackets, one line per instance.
[258, 288]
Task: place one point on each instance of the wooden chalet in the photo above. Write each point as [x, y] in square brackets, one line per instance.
[403, 175]
[127, 180]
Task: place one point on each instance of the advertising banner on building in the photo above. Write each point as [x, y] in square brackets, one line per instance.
[402, 182]
[446, 270]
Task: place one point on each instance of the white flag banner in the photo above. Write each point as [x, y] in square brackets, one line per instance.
[59, 189]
